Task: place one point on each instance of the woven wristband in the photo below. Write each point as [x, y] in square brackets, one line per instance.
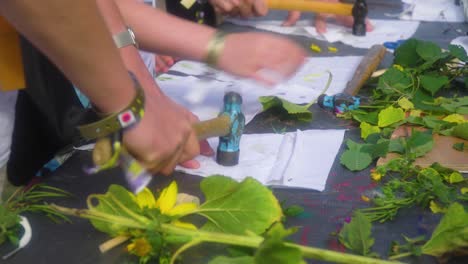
[215, 48]
[115, 122]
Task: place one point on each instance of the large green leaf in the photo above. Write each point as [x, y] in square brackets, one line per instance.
[116, 201]
[433, 82]
[461, 131]
[429, 51]
[390, 115]
[363, 116]
[299, 112]
[356, 235]
[237, 208]
[451, 233]
[355, 159]
[459, 52]
[394, 80]
[406, 55]
[273, 249]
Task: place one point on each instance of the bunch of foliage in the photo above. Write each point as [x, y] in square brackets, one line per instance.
[244, 214]
[31, 200]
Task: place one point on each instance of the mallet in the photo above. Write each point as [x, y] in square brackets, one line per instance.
[358, 10]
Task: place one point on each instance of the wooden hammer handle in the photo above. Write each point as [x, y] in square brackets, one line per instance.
[311, 6]
[368, 65]
[216, 127]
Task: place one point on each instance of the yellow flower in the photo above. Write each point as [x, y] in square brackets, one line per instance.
[140, 247]
[332, 49]
[435, 208]
[375, 175]
[365, 198]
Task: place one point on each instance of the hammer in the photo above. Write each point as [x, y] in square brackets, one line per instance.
[347, 100]
[358, 10]
[228, 126]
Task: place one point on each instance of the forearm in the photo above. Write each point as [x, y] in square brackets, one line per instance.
[78, 43]
[129, 54]
[157, 31]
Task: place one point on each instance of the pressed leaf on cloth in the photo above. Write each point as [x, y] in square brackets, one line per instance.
[300, 112]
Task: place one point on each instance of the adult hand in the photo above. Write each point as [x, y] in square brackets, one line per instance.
[243, 8]
[320, 21]
[164, 137]
[264, 57]
[163, 63]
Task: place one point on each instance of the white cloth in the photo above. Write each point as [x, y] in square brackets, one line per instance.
[7, 118]
[433, 10]
[204, 97]
[384, 30]
[462, 41]
[300, 159]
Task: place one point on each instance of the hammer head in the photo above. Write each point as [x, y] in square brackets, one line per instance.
[228, 148]
[359, 14]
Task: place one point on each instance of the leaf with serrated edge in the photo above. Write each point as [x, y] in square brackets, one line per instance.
[356, 235]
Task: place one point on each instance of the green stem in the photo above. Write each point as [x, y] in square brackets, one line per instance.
[399, 256]
[256, 241]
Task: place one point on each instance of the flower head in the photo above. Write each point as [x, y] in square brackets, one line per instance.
[376, 175]
[140, 247]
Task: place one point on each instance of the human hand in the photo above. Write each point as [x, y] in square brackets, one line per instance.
[264, 57]
[164, 137]
[320, 22]
[163, 63]
[242, 8]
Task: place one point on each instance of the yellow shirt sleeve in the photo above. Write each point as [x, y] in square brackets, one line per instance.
[11, 65]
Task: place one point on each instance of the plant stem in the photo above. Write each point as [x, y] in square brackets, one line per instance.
[402, 255]
[255, 242]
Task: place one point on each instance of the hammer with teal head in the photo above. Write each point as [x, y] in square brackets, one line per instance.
[228, 126]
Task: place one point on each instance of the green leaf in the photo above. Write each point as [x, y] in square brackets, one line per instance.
[428, 50]
[420, 143]
[390, 115]
[236, 260]
[363, 116]
[367, 129]
[455, 177]
[405, 104]
[396, 145]
[273, 249]
[458, 52]
[356, 235]
[433, 83]
[236, 208]
[451, 233]
[460, 146]
[355, 159]
[406, 55]
[116, 201]
[394, 80]
[461, 131]
[293, 210]
[299, 112]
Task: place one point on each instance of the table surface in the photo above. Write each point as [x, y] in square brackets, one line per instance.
[324, 211]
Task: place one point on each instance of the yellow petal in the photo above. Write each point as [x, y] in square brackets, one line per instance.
[145, 198]
[365, 198]
[435, 208]
[182, 209]
[131, 247]
[167, 199]
[376, 176]
[184, 225]
[332, 49]
[315, 48]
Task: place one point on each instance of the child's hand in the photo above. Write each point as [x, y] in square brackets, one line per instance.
[163, 63]
[242, 8]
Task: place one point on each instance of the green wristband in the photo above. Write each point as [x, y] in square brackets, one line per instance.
[115, 122]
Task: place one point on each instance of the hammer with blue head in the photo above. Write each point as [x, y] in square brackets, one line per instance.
[228, 126]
